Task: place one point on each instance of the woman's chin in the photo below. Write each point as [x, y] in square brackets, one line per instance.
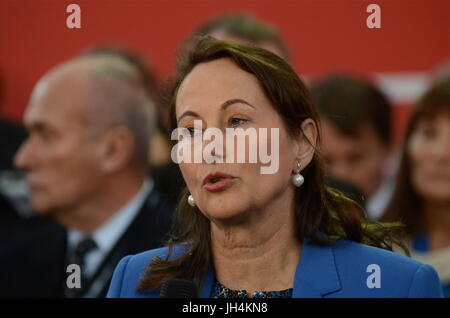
[228, 213]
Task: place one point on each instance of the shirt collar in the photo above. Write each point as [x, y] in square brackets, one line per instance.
[109, 233]
[378, 202]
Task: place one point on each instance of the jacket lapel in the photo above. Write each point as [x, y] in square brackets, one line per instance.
[316, 275]
[205, 288]
[145, 232]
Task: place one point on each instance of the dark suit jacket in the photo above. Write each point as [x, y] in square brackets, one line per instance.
[14, 227]
[8, 217]
[11, 137]
[36, 265]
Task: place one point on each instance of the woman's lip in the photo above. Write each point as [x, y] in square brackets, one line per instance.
[220, 185]
[215, 175]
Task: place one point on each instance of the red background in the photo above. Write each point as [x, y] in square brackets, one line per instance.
[323, 35]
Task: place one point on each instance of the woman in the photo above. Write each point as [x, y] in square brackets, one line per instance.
[247, 234]
[422, 197]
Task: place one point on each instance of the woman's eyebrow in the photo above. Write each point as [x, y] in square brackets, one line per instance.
[235, 101]
[188, 113]
[223, 107]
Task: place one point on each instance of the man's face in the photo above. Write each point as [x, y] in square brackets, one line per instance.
[59, 157]
[358, 160]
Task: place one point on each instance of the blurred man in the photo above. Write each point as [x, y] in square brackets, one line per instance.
[167, 177]
[245, 28]
[356, 128]
[90, 121]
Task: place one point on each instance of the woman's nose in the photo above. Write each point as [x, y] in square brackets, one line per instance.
[213, 146]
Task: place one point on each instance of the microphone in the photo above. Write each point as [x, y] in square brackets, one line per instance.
[178, 288]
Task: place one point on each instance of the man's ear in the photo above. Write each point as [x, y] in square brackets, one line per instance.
[117, 149]
[307, 142]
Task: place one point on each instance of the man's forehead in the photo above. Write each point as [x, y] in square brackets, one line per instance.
[60, 99]
[361, 131]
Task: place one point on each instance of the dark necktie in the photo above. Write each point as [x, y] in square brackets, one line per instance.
[77, 256]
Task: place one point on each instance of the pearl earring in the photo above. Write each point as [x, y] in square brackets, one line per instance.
[297, 178]
[191, 200]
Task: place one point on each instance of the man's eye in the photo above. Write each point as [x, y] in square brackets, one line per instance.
[46, 137]
[429, 132]
[237, 121]
[355, 158]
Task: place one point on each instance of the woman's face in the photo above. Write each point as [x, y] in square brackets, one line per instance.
[221, 95]
[429, 152]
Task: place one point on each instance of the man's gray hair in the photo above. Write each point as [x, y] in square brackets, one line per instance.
[119, 97]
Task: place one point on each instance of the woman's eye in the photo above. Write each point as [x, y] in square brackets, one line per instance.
[193, 130]
[237, 121]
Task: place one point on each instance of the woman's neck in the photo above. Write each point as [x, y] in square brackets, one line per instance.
[258, 256]
[437, 222]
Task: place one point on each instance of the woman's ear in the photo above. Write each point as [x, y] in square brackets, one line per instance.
[307, 142]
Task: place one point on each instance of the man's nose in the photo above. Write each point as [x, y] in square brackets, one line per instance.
[23, 159]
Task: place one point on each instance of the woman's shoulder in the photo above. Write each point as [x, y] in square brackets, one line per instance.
[351, 251]
[131, 268]
[378, 268]
[143, 259]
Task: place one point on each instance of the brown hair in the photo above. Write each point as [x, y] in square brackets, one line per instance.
[405, 205]
[322, 214]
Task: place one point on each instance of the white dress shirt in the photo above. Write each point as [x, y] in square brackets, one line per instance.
[377, 204]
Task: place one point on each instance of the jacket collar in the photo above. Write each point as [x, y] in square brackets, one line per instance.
[316, 274]
[315, 277]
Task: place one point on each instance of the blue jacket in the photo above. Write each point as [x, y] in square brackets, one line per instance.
[341, 270]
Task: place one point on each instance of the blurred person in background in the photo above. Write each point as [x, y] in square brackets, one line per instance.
[356, 126]
[422, 195]
[247, 29]
[167, 178]
[86, 164]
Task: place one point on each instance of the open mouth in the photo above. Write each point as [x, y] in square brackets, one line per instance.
[217, 181]
[214, 180]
